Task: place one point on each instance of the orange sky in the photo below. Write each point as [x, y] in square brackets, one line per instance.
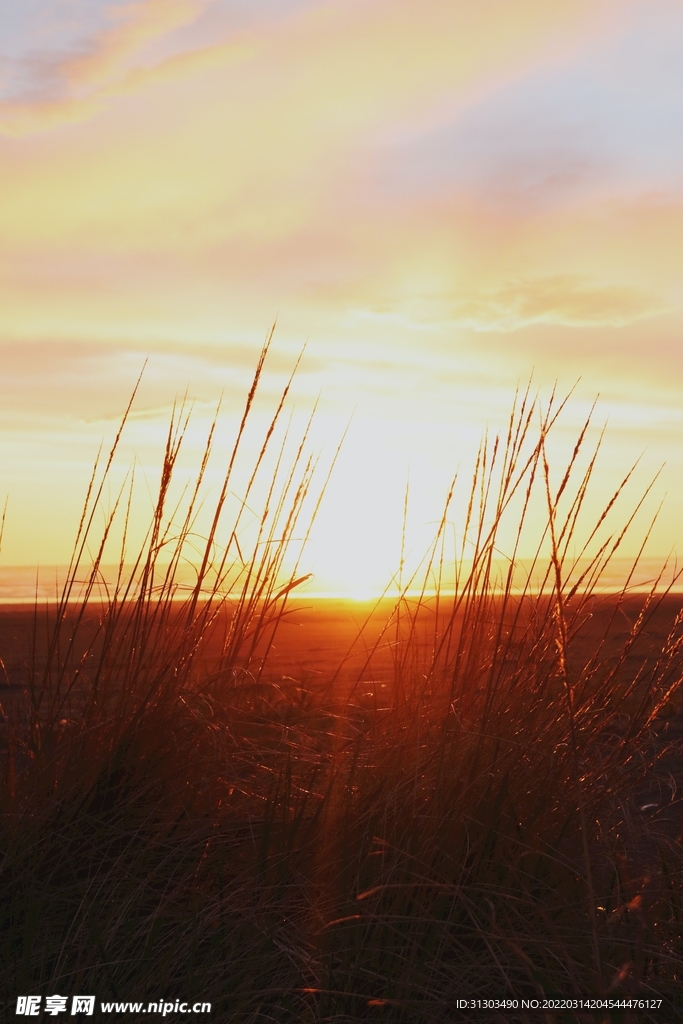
[439, 197]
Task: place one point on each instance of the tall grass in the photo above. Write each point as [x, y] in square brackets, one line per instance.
[180, 825]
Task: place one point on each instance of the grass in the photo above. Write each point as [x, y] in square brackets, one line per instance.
[179, 825]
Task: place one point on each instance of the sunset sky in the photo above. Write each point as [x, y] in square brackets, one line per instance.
[439, 198]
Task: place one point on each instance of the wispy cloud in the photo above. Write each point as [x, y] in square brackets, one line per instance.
[134, 25]
[566, 300]
[54, 86]
[381, 51]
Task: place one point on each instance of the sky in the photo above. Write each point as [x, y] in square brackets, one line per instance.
[440, 200]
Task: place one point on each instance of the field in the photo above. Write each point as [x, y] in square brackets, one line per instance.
[343, 811]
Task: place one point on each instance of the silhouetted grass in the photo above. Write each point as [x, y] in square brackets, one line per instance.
[178, 825]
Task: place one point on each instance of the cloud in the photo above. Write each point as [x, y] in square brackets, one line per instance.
[56, 88]
[86, 380]
[368, 52]
[566, 300]
[561, 134]
[25, 116]
[136, 24]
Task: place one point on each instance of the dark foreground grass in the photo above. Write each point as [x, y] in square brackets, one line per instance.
[177, 825]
